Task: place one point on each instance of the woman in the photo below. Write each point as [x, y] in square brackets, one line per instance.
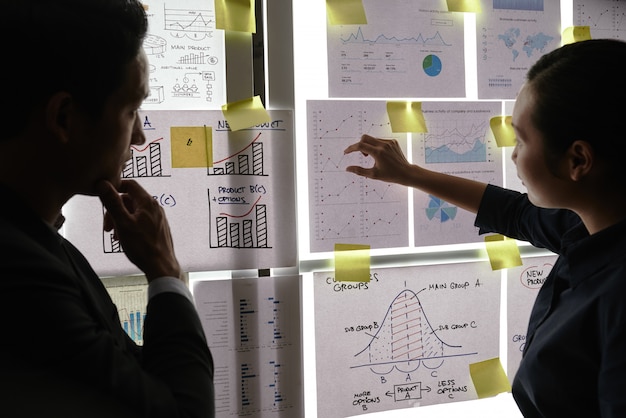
[568, 155]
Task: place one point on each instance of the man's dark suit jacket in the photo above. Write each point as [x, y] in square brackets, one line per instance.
[63, 352]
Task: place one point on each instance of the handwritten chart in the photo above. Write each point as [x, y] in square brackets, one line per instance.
[522, 287]
[229, 196]
[405, 339]
[186, 55]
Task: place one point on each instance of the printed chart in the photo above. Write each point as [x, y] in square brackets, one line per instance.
[405, 339]
[344, 207]
[459, 141]
[129, 295]
[229, 196]
[605, 18]
[511, 36]
[403, 50]
[254, 327]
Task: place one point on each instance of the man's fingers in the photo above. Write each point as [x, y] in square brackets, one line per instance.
[130, 186]
[118, 206]
[109, 197]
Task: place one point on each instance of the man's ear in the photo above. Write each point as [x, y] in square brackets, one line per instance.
[580, 159]
[59, 114]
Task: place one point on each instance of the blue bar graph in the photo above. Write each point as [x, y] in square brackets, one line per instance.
[133, 326]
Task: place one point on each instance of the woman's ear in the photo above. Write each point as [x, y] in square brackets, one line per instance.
[59, 115]
[580, 159]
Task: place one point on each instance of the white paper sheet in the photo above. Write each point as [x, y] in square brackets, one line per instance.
[605, 18]
[460, 142]
[510, 36]
[406, 49]
[523, 284]
[405, 339]
[186, 55]
[237, 214]
[254, 330]
[130, 295]
[344, 207]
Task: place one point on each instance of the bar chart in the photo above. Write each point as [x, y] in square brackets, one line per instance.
[133, 324]
[129, 295]
[248, 161]
[231, 230]
[146, 161]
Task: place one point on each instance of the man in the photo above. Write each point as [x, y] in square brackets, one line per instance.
[76, 80]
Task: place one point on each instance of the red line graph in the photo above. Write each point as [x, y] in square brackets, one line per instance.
[146, 147]
[238, 152]
[245, 214]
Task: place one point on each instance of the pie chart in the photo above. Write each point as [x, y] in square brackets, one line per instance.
[432, 65]
[440, 210]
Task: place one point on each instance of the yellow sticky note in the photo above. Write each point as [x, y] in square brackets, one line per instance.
[192, 146]
[345, 12]
[503, 131]
[464, 6]
[489, 378]
[352, 263]
[236, 15]
[502, 251]
[575, 34]
[406, 117]
[245, 113]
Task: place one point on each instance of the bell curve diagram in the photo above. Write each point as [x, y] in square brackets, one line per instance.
[406, 340]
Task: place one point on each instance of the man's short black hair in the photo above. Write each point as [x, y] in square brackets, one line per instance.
[78, 46]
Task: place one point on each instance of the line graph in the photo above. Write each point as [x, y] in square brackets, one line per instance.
[420, 39]
[344, 206]
[230, 215]
[606, 19]
[190, 23]
[459, 144]
[456, 142]
[403, 51]
[459, 141]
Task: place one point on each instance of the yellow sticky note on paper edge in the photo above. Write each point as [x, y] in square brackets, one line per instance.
[345, 12]
[245, 113]
[489, 378]
[192, 146]
[352, 263]
[406, 117]
[503, 131]
[503, 252]
[464, 6]
[575, 34]
[235, 15]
